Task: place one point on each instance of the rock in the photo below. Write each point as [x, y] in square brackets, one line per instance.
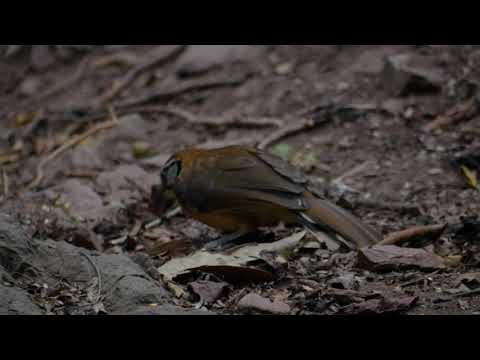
[128, 285]
[369, 62]
[130, 128]
[15, 247]
[83, 157]
[346, 281]
[125, 285]
[30, 86]
[14, 301]
[391, 258]
[259, 303]
[381, 306]
[208, 291]
[406, 73]
[79, 200]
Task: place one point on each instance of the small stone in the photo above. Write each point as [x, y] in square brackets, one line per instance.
[408, 73]
[284, 69]
[259, 303]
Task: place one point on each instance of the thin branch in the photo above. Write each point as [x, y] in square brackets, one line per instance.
[466, 293]
[189, 117]
[286, 132]
[134, 73]
[398, 207]
[460, 112]
[418, 232]
[167, 95]
[352, 172]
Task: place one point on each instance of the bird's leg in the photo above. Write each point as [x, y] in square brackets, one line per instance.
[226, 239]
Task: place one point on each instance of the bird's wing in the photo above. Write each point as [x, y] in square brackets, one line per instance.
[257, 176]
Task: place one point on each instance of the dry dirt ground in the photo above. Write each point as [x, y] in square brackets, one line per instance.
[390, 132]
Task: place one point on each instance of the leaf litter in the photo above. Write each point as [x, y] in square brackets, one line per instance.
[308, 277]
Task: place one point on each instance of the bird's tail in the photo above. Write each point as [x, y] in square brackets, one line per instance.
[325, 215]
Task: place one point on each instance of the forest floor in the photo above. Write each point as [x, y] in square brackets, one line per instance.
[389, 132]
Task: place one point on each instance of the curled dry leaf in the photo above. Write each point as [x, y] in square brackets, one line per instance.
[204, 260]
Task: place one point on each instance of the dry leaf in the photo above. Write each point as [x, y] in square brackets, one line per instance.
[238, 258]
[471, 177]
[391, 258]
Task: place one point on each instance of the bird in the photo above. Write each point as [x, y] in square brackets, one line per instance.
[238, 189]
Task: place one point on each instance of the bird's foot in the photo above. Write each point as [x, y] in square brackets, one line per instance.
[225, 241]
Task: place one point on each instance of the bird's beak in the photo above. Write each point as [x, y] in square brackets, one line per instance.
[161, 200]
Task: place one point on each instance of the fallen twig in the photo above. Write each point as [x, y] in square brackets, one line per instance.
[466, 293]
[69, 144]
[154, 223]
[123, 57]
[173, 213]
[418, 232]
[352, 172]
[126, 81]
[80, 173]
[167, 95]
[286, 131]
[398, 207]
[185, 115]
[418, 279]
[458, 113]
[217, 120]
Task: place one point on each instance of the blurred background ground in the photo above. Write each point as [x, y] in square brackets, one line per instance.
[390, 132]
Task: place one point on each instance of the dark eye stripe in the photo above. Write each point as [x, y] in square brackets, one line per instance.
[171, 170]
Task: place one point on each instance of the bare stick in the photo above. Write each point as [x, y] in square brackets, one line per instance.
[134, 73]
[246, 121]
[460, 112]
[466, 293]
[356, 170]
[125, 57]
[69, 144]
[166, 95]
[417, 232]
[285, 132]
[399, 207]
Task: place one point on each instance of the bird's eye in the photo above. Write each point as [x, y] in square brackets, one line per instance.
[170, 173]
